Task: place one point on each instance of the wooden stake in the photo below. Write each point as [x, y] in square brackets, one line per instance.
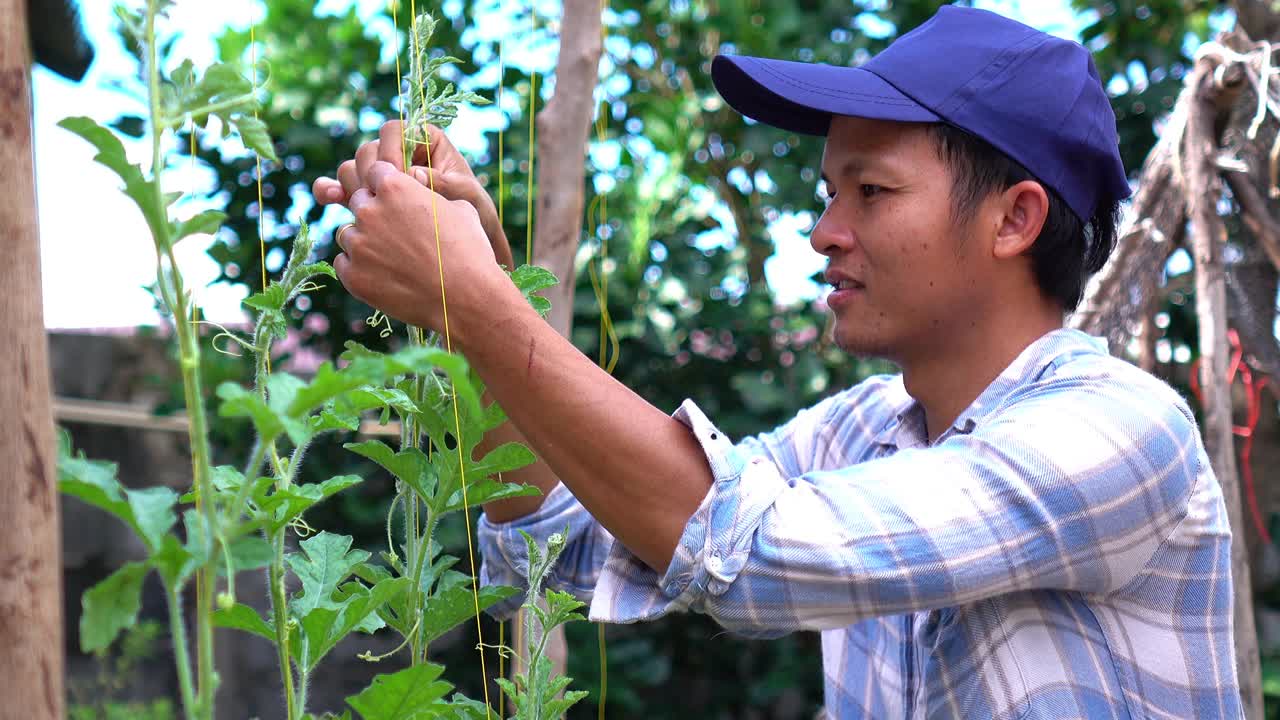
[31, 639]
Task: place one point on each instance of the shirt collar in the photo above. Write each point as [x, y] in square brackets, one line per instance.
[1053, 349]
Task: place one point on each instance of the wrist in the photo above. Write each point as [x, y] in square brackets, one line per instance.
[490, 300]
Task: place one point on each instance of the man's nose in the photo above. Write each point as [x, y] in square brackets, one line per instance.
[831, 237]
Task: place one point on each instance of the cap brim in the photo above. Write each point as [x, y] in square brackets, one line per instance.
[802, 97]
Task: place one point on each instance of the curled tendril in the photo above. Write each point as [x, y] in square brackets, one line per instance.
[391, 545]
[308, 286]
[301, 528]
[228, 335]
[378, 317]
[504, 650]
[370, 657]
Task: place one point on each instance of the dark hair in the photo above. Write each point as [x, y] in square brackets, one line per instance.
[1068, 250]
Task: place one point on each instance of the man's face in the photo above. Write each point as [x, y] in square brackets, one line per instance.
[905, 273]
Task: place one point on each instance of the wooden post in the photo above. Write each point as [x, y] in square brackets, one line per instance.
[31, 641]
[1212, 91]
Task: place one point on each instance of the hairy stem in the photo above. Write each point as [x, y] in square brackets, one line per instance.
[280, 618]
[418, 652]
[178, 631]
[189, 351]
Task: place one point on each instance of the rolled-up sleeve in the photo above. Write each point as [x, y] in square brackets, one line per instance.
[505, 559]
[1068, 488]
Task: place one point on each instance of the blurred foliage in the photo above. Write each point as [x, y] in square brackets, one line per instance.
[104, 697]
[693, 195]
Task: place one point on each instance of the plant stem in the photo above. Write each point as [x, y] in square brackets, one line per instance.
[189, 352]
[280, 618]
[230, 104]
[418, 649]
[178, 631]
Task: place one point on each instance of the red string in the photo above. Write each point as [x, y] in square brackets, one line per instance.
[1253, 399]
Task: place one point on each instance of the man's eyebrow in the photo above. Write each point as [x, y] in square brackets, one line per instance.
[850, 167]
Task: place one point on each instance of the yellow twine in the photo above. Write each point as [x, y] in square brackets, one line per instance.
[448, 340]
[257, 164]
[533, 104]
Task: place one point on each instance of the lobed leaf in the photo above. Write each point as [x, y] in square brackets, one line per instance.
[111, 606]
[409, 694]
[328, 560]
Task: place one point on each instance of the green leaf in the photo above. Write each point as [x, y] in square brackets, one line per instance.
[409, 694]
[239, 402]
[111, 154]
[562, 608]
[148, 511]
[221, 80]
[357, 609]
[206, 222]
[328, 561]
[94, 482]
[243, 617]
[302, 272]
[248, 552]
[530, 279]
[454, 606]
[111, 606]
[409, 465]
[286, 504]
[505, 458]
[255, 136]
[484, 491]
[270, 299]
[153, 514]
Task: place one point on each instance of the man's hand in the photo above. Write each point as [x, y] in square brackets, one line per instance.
[438, 166]
[391, 257]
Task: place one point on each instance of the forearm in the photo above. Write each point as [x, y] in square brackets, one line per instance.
[638, 471]
[538, 474]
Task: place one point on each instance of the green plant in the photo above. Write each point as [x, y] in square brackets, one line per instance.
[239, 519]
[536, 693]
[102, 699]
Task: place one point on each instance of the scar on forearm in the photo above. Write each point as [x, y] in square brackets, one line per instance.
[528, 366]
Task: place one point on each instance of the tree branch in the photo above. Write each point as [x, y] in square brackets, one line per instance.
[1214, 89]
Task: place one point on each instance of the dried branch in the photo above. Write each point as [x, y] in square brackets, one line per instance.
[1216, 82]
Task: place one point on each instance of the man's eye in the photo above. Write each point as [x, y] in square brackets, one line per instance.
[870, 190]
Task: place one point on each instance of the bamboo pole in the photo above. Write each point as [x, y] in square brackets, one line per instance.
[31, 638]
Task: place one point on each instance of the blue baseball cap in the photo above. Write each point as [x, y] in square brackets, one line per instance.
[1035, 97]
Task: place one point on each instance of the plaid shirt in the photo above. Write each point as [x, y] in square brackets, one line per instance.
[1061, 551]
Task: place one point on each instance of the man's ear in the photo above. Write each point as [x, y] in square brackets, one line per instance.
[1024, 208]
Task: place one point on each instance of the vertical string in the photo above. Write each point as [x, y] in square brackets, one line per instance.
[533, 104]
[448, 340]
[608, 336]
[502, 218]
[257, 165]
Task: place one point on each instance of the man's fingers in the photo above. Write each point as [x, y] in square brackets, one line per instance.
[436, 147]
[391, 144]
[360, 200]
[349, 178]
[381, 175]
[328, 191]
[366, 156]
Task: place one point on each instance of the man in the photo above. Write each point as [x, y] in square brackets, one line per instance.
[1016, 526]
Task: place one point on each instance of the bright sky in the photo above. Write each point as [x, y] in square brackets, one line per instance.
[96, 254]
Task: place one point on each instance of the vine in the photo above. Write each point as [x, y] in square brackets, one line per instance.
[238, 518]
